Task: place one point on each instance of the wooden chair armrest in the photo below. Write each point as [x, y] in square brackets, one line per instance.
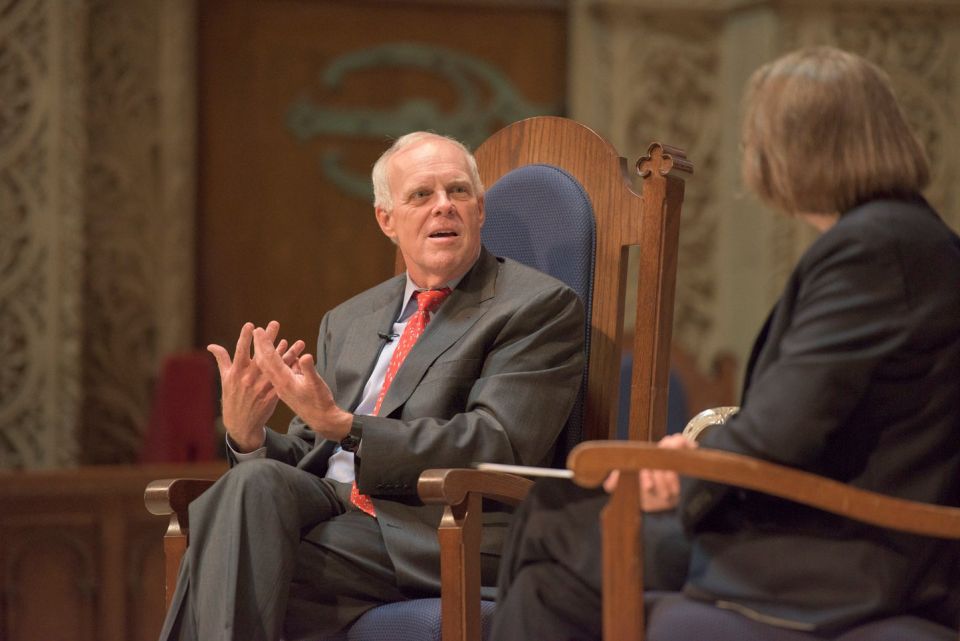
[461, 492]
[592, 462]
[451, 486]
[173, 496]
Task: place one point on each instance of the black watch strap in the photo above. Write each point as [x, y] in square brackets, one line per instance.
[350, 443]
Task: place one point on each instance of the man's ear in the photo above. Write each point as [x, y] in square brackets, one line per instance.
[385, 220]
[481, 210]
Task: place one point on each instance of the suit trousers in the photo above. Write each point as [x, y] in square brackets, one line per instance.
[277, 550]
[550, 577]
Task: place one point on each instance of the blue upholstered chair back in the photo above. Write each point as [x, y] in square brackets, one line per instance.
[541, 216]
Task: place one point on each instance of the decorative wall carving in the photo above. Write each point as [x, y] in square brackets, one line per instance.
[121, 223]
[41, 150]
[657, 73]
[97, 178]
[675, 71]
[918, 48]
[486, 99]
[88, 207]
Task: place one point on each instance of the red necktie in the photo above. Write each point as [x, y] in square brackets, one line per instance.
[427, 302]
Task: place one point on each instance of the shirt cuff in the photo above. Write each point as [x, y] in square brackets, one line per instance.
[240, 457]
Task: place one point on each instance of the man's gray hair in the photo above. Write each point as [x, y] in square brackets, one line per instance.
[381, 179]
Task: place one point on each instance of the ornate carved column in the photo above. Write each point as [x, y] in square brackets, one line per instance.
[42, 149]
[139, 219]
[96, 207]
[675, 71]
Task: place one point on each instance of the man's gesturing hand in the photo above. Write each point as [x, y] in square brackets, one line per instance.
[248, 396]
[300, 387]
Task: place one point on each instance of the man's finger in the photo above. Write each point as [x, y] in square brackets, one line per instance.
[291, 356]
[309, 369]
[273, 330]
[242, 353]
[298, 347]
[267, 358]
[223, 358]
[263, 347]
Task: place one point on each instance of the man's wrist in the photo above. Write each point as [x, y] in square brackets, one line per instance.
[250, 444]
[343, 425]
[351, 442]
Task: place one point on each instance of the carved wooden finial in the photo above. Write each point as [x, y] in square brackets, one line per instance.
[663, 159]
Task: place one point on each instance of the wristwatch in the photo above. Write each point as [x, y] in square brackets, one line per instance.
[350, 443]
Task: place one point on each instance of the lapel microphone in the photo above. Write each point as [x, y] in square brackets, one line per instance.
[384, 336]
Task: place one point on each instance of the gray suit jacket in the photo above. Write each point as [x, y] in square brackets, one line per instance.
[492, 378]
[856, 377]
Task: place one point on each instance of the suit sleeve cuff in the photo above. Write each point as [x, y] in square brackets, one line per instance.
[240, 457]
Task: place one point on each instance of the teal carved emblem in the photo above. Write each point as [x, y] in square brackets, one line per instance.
[486, 99]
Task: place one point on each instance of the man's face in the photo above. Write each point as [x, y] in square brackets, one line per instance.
[436, 215]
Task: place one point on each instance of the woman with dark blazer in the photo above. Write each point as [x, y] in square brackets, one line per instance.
[854, 376]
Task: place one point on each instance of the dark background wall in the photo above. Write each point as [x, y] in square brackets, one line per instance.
[297, 100]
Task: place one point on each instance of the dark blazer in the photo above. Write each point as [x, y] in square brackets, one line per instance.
[856, 376]
[492, 378]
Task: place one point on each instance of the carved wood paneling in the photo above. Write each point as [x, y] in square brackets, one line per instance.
[57, 562]
[80, 557]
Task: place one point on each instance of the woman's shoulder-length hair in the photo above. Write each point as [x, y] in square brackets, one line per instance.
[823, 132]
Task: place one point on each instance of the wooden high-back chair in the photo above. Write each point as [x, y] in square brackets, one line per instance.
[622, 218]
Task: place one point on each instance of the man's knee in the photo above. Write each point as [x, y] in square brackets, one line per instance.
[258, 471]
[260, 479]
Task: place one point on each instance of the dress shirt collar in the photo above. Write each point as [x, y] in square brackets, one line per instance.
[408, 305]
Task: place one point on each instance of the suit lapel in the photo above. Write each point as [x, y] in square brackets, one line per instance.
[465, 306]
[360, 349]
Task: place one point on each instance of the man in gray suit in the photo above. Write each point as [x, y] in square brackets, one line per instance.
[310, 529]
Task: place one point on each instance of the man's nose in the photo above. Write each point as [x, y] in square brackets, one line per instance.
[443, 204]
